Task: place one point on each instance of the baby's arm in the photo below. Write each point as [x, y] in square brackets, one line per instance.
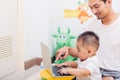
[76, 72]
[72, 64]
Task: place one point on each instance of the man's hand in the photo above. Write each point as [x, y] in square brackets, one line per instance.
[62, 53]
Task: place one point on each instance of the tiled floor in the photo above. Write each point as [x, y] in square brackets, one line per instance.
[30, 74]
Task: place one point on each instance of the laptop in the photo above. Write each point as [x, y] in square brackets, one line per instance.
[47, 62]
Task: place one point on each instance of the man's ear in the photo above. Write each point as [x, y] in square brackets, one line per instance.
[109, 2]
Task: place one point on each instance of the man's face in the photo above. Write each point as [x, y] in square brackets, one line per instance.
[99, 8]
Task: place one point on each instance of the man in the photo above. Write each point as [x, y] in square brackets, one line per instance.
[108, 29]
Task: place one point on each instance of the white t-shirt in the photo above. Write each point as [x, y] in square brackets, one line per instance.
[92, 64]
[109, 50]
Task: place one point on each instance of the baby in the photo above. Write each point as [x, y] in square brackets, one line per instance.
[87, 65]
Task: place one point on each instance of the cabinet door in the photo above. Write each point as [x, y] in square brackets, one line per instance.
[8, 37]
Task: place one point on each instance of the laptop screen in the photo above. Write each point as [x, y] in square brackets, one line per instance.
[46, 57]
[47, 61]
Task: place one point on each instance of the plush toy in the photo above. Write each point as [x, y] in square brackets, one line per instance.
[63, 39]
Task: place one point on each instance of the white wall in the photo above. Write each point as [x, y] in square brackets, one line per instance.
[36, 26]
[116, 5]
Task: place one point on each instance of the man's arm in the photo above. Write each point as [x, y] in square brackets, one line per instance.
[73, 52]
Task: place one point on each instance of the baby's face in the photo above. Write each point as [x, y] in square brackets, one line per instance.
[83, 53]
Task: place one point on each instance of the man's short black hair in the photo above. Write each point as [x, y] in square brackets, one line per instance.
[104, 1]
[89, 38]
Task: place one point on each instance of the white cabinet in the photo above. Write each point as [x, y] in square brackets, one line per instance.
[8, 37]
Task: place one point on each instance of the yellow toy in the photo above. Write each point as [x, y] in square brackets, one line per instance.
[46, 75]
[80, 13]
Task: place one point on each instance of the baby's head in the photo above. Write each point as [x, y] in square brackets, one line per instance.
[87, 45]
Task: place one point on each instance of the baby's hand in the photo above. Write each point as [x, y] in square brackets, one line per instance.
[61, 65]
[63, 71]
[58, 65]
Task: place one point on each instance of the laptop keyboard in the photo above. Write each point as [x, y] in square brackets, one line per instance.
[55, 71]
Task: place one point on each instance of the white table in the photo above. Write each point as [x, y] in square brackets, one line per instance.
[36, 76]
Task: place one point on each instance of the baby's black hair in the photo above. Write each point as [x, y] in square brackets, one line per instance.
[89, 38]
